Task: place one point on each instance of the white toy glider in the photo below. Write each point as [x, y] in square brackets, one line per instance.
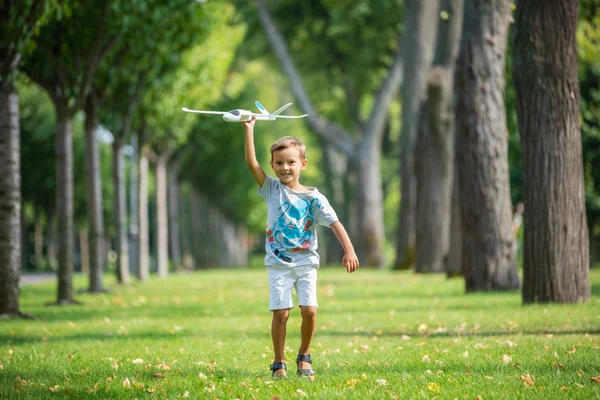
[245, 115]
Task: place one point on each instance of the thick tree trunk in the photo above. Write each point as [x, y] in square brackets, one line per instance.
[120, 211]
[556, 252]
[64, 208]
[94, 197]
[488, 257]
[434, 170]
[418, 42]
[162, 215]
[10, 204]
[173, 203]
[434, 155]
[454, 258]
[144, 240]
[370, 200]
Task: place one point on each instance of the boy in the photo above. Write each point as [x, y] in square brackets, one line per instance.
[292, 260]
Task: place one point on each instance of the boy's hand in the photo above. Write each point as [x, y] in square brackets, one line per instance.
[350, 262]
[249, 125]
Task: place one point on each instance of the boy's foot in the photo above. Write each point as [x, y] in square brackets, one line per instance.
[304, 365]
[279, 370]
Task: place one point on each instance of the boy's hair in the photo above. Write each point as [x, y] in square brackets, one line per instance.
[289, 141]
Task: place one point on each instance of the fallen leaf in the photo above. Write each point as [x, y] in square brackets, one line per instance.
[301, 393]
[186, 394]
[465, 354]
[572, 351]
[158, 375]
[511, 344]
[506, 359]
[126, 383]
[381, 382]
[54, 388]
[527, 380]
[433, 387]
[595, 378]
[138, 361]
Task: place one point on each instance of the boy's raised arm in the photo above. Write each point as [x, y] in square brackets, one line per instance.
[257, 172]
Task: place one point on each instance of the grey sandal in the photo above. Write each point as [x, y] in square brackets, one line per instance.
[304, 371]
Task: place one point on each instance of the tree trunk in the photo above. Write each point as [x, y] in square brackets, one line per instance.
[10, 204]
[488, 257]
[173, 203]
[94, 197]
[64, 208]
[162, 215]
[454, 258]
[434, 158]
[370, 200]
[120, 211]
[556, 253]
[418, 42]
[134, 208]
[38, 239]
[51, 243]
[434, 170]
[144, 240]
[84, 250]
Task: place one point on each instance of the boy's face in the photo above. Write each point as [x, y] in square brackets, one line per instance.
[287, 164]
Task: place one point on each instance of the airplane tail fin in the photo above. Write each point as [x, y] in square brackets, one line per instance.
[261, 108]
[280, 110]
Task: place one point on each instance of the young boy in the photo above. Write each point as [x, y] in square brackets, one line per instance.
[294, 211]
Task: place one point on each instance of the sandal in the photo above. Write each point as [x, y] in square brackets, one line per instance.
[276, 367]
[304, 371]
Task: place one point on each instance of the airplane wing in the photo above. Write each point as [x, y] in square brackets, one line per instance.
[261, 108]
[291, 116]
[203, 112]
[280, 110]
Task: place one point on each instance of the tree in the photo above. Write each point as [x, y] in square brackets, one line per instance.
[556, 252]
[18, 21]
[418, 42]
[488, 257]
[63, 62]
[364, 153]
[434, 155]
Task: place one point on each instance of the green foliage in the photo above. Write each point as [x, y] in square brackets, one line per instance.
[379, 335]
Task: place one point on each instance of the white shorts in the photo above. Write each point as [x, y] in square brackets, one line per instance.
[281, 281]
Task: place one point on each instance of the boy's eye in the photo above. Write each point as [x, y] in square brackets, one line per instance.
[292, 162]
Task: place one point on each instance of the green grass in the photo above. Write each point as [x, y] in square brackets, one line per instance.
[380, 335]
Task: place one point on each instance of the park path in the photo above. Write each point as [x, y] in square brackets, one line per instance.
[30, 279]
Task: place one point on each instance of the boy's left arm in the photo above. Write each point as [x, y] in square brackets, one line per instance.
[350, 260]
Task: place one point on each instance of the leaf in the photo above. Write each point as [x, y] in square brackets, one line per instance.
[595, 378]
[54, 389]
[301, 393]
[138, 361]
[126, 383]
[506, 359]
[158, 375]
[433, 387]
[527, 380]
[382, 382]
[572, 351]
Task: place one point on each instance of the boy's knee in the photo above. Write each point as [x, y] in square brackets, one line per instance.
[281, 316]
[309, 312]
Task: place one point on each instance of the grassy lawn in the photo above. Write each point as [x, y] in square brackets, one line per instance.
[380, 335]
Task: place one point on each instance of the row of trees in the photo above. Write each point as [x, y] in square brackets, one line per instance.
[130, 66]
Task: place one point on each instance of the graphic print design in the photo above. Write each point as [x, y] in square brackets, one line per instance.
[291, 230]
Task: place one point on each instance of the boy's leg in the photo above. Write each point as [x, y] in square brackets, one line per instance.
[309, 323]
[278, 332]
[306, 287]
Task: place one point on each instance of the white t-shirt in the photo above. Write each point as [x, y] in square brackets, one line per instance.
[292, 217]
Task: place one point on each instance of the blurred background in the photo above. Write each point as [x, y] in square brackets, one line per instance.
[116, 178]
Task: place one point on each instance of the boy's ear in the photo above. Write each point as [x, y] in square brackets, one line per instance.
[304, 163]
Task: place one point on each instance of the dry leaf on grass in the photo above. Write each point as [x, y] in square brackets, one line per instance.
[527, 380]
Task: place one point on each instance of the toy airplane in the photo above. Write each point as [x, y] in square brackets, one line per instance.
[245, 115]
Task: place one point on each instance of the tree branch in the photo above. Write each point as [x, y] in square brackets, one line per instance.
[329, 131]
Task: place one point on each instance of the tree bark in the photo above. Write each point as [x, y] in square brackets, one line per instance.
[144, 240]
[162, 215]
[84, 250]
[64, 208]
[418, 42]
[134, 208]
[556, 253]
[173, 203]
[454, 262]
[94, 197]
[10, 204]
[488, 257]
[120, 211]
[434, 155]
